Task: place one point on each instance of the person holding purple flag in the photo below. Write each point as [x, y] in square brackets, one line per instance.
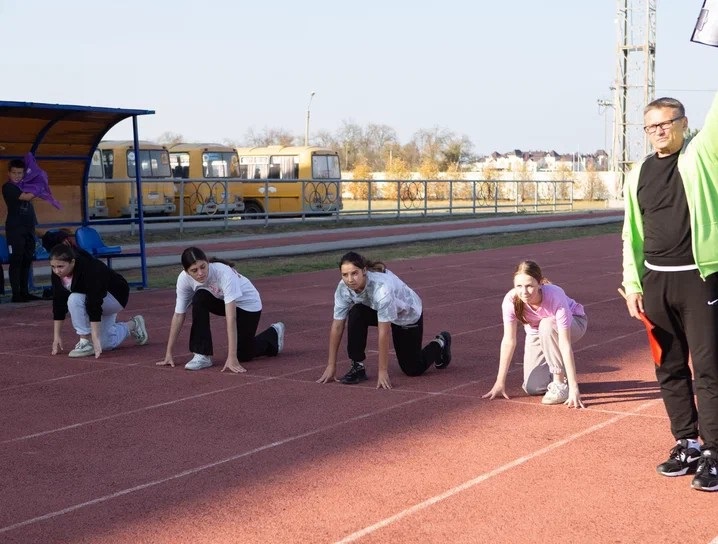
[35, 181]
[20, 231]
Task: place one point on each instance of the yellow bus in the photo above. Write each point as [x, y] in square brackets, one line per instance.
[119, 163]
[96, 191]
[208, 167]
[290, 180]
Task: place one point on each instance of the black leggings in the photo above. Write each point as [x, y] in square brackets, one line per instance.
[684, 309]
[413, 360]
[249, 346]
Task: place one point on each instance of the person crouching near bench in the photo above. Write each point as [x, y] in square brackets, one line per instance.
[93, 294]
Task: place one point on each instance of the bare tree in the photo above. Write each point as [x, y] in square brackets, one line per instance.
[351, 137]
[378, 139]
[170, 138]
[270, 136]
[456, 152]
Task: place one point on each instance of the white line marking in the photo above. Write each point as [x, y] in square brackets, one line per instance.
[191, 471]
[149, 407]
[483, 477]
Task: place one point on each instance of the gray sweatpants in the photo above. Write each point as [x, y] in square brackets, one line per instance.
[542, 358]
[112, 334]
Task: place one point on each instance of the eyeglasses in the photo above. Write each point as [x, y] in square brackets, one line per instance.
[665, 125]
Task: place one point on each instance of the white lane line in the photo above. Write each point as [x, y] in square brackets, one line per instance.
[483, 477]
[148, 407]
[195, 470]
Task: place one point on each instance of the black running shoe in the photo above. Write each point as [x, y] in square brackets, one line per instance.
[445, 358]
[356, 374]
[706, 478]
[681, 460]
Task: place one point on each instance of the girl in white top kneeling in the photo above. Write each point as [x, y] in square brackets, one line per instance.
[213, 286]
[370, 295]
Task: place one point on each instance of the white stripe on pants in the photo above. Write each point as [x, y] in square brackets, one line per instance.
[542, 357]
[112, 334]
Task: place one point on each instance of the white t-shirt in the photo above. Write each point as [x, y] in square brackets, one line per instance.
[225, 283]
[393, 300]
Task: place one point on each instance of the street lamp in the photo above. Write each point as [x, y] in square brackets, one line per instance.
[306, 125]
[603, 106]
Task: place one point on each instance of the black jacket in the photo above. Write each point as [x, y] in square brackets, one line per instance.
[93, 278]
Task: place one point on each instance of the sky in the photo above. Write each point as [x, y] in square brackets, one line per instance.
[508, 75]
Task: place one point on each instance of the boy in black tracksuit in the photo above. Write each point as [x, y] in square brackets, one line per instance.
[20, 231]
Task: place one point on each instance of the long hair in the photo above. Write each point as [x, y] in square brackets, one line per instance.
[530, 268]
[62, 252]
[362, 262]
[193, 254]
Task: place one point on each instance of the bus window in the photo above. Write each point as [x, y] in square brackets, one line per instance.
[181, 168]
[154, 163]
[107, 163]
[284, 167]
[218, 165]
[275, 172]
[325, 167]
[96, 171]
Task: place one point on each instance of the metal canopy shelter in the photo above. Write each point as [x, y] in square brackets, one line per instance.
[63, 139]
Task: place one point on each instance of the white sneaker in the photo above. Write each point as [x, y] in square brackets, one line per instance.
[198, 362]
[82, 349]
[140, 333]
[557, 393]
[279, 327]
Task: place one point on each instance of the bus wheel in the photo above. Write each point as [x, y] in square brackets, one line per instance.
[251, 208]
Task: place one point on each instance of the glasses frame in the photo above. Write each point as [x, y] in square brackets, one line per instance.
[665, 125]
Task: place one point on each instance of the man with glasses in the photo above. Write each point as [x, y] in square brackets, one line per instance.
[670, 273]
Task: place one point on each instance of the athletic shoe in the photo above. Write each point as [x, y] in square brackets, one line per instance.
[140, 333]
[279, 327]
[706, 478]
[445, 343]
[198, 362]
[82, 349]
[356, 374]
[681, 460]
[556, 393]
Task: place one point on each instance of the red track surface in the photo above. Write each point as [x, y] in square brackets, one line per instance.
[120, 450]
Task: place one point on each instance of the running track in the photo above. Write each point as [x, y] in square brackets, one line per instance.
[119, 450]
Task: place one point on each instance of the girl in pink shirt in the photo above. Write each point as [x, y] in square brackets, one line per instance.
[552, 322]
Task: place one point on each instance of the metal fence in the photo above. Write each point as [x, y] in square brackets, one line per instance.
[211, 202]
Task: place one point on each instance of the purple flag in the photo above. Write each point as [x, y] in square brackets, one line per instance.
[35, 181]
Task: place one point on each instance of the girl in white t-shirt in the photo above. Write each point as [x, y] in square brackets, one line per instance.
[552, 322]
[215, 287]
[370, 295]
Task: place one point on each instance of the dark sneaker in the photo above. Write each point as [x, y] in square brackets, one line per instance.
[356, 374]
[681, 460]
[445, 358]
[706, 478]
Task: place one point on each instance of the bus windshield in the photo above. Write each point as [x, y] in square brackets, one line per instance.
[154, 163]
[325, 167]
[96, 171]
[219, 165]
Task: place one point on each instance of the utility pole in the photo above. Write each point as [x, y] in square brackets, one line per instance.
[635, 83]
